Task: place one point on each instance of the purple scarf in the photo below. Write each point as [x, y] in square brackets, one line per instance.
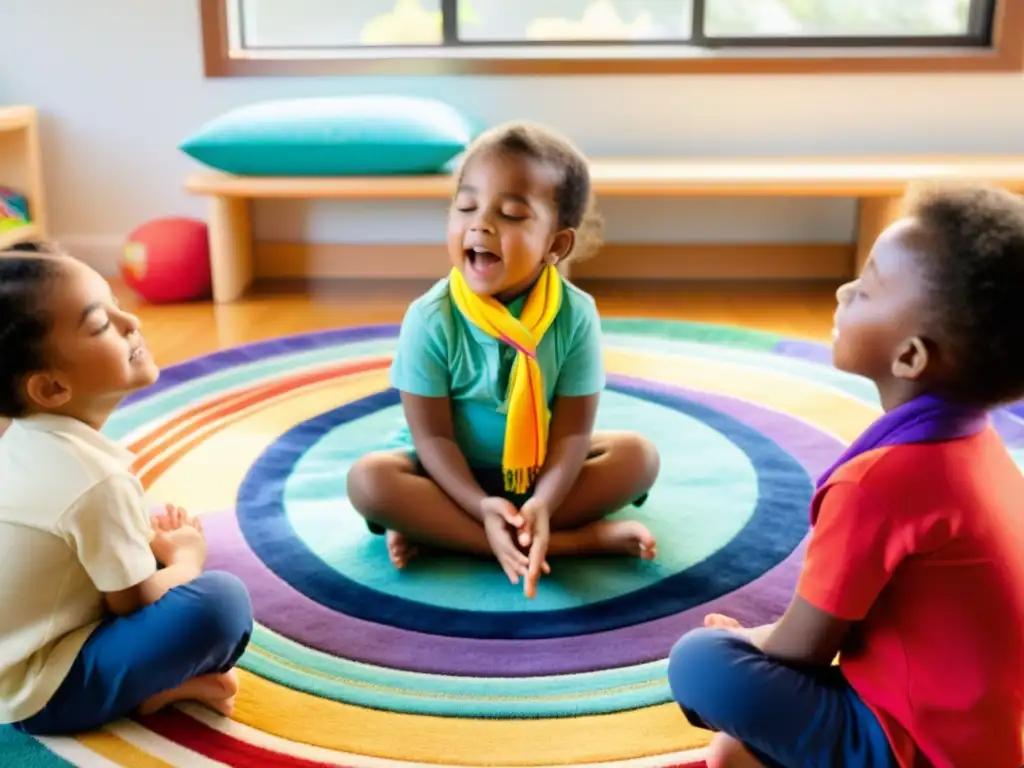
[925, 419]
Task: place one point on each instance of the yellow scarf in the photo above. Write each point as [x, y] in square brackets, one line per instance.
[526, 427]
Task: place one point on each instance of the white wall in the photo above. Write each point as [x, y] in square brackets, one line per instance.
[120, 83]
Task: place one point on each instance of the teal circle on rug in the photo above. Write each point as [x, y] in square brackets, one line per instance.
[689, 481]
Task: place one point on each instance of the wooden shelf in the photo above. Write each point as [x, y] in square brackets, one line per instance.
[21, 169]
[16, 118]
[660, 177]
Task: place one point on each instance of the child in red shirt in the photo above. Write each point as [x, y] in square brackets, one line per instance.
[914, 571]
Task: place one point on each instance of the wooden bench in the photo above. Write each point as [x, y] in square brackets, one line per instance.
[877, 183]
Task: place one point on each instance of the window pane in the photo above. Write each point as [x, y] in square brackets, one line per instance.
[831, 18]
[336, 23]
[572, 20]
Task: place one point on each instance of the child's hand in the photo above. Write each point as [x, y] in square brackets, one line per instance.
[497, 515]
[184, 545]
[495, 506]
[174, 517]
[535, 534]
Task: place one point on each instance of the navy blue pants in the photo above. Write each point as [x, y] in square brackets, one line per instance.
[786, 717]
[196, 629]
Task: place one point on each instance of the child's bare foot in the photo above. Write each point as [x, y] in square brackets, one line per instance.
[624, 537]
[215, 691]
[400, 549]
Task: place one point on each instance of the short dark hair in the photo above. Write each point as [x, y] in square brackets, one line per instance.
[574, 199]
[975, 268]
[26, 272]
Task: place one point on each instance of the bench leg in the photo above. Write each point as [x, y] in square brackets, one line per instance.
[230, 248]
[875, 216]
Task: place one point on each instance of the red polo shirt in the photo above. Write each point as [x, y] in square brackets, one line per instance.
[923, 546]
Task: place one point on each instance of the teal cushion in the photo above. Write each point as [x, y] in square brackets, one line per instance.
[338, 136]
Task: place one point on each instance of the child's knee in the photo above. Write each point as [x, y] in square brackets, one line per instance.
[639, 458]
[369, 481]
[698, 669]
[223, 610]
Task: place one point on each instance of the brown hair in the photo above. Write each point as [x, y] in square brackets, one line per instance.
[574, 199]
[26, 273]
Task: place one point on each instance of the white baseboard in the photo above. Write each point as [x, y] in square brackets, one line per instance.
[101, 252]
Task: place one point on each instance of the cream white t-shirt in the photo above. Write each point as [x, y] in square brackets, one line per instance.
[73, 525]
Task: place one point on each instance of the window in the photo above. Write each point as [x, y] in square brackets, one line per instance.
[566, 36]
[875, 22]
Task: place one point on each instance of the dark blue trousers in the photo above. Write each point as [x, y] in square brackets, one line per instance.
[786, 717]
[196, 629]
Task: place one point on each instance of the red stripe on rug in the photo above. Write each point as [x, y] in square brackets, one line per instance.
[227, 414]
[197, 736]
[193, 734]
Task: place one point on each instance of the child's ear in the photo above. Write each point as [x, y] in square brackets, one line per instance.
[912, 359]
[47, 390]
[561, 246]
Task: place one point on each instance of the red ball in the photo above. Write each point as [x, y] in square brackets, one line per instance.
[168, 260]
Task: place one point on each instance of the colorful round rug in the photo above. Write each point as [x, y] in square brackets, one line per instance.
[445, 663]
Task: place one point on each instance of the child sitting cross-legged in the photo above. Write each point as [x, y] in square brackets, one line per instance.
[914, 572]
[500, 369]
[104, 610]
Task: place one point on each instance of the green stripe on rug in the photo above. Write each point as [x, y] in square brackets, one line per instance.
[304, 669]
[705, 333]
[17, 749]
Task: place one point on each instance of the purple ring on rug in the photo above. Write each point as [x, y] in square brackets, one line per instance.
[277, 605]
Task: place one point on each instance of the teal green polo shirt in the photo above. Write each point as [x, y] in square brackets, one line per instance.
[441, 354]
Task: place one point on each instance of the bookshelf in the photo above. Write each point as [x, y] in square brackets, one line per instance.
[21, 169]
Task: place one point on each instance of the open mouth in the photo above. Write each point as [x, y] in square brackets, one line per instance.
[137, 353]
[480, 259]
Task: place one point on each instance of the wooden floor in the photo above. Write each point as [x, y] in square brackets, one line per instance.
[178, 332]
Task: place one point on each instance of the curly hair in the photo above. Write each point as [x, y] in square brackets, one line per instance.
[974, 265]
[574, 199]
[26, 273]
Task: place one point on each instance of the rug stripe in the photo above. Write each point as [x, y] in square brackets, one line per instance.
[67, 750]
[209, 475]
[217, 416]
[225, 359]
[226, 404]
[119, 751]
[308, 661]
[215, 745]
[396, 699]
[152, 743]
[691, 758]
[820, 405]
[150, 469]
[300, 717]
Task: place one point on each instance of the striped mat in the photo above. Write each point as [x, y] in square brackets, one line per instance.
[445, 664]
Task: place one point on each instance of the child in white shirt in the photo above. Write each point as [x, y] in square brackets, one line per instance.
[104, 610]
